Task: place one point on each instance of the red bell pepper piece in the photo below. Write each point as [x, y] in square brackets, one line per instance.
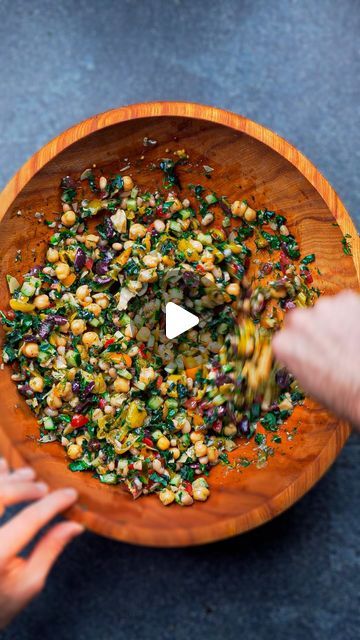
[142, 350]
[102, 403]
[78, 420]
[148, 441]
[109, 342]
[188, 487]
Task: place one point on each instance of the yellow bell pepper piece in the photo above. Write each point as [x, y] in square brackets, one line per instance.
[94, 206]
[18, 305]
[190, 253]
[123, 258]
[135, 417]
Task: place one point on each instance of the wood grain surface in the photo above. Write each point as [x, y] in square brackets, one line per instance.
[251, 162]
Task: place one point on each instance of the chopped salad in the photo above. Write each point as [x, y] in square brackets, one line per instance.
[85, 331]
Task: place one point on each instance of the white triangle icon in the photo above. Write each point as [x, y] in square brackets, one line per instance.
[178, 320]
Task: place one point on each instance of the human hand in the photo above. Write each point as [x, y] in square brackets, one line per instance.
[21, 579]
[321, 347]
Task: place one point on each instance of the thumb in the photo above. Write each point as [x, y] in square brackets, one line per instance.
[50, 547]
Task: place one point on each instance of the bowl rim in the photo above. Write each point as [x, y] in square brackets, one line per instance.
[314, 470]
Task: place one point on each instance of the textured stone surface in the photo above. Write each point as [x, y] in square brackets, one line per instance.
[293, 66]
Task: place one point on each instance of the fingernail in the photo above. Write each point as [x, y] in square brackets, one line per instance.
[25, 472]
[77, 528]
[42, 487]
[71, 492]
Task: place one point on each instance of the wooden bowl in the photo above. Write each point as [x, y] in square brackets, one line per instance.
[250, 161]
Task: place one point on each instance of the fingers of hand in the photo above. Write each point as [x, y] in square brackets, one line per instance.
[19, 531]
[50, 547]
[4, 468]
[14, 489]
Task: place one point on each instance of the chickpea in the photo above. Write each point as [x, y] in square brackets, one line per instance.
[37, 384]
[82, 292]
[62, 270]
[238, 208]
[196, 436]
[163, 443]
[213, 455]
[91, 241]
[90, 338]
[94, 308]
[143, 334]
[102, 300]
[151, 261]
[230, 430]
[71, 373]
[200, 449]
[97, 414]
[157, 466]
[121, 385]
[102, 183]
[78, 327]
[52, 255]
[127, 183]
[284, 230]
[207, 219]
[201, 493]
[196, 244]
[250, 215]
[30, 350]
[42, 301]
[175, 453]
[53, 401]
[233, 289]
[74, 451]
[64, 328]
[65, 391]
[117, 246]
[68, 218]
[166, 496]
[57, 340]
[137, 231]
[184, 498]
[159, 226]
[185, 427]
[147, 275]
[286, 405]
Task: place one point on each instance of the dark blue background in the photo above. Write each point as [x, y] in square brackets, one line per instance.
[293, 66]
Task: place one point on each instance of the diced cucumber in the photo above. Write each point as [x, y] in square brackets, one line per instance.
[155, 402]
[175, 226]
[171, 403]
[27, 289]
[185, 214]
[185, 440]
[211, 198]
[108, 478]
[125, 320]
[124, 373]
[131, 204]
[73, 358]
[176, 480]
[134, 192]
[48, 424]
[12, 283]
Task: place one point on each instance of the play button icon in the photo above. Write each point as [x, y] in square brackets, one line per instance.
[178, 320]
